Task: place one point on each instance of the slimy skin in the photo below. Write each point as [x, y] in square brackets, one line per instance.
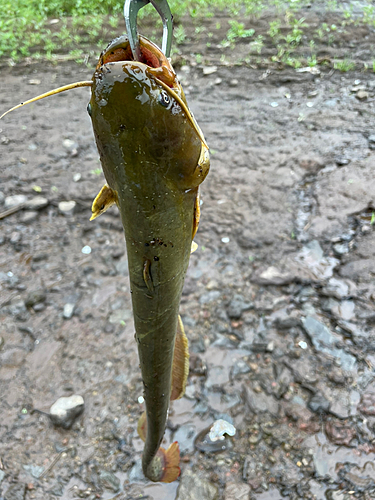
[154, 158]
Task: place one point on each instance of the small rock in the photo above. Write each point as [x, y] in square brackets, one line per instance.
[339, 433]
[12, 201]
[342, 160]
[185, 436]
[2, 475]
[28, 217]
[362, 95]
[68, 310]
[109, 480]
[367, 404]
[341, 248]
[237, 491]
[208, 70]
[237, 306]
[65, 410]
[35, 297]
[233, 83]
[37, 203]
[77, 177]
[194, 486]
[2, 197]
[272, 276]
[67, 207]
[319, 404]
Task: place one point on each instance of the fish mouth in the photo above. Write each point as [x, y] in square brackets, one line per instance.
[158, 64]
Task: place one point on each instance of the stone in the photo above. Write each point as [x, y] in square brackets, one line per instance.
[362, 95]
[339, 433]
[193, 486]
[324, 341]
[209, 70]
[2, 196]
[67, 207]
[367, 404]
[272, 276]
[65, 410]
[12, 358]
[28, 216]
[237, 306]
[35, 297]
[68, 310]
[12, 201]
[2, 475]
[109, 480]
[319, 404]
[37, 203]
[237, 491]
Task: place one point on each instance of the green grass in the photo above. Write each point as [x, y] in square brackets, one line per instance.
[43, 28]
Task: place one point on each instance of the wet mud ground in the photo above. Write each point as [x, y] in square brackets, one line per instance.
[278, 302]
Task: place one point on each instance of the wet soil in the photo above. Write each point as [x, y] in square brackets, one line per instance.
[278, 303]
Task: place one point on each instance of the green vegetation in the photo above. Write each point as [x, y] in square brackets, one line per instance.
[344, 65]
[76, 28]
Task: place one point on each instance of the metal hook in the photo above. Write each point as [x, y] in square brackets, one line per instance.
[131, 8]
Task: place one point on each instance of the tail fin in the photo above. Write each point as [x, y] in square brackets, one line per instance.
[170, 460]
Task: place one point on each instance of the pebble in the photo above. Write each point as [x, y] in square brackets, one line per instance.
[2, 475]
[28, 217]
[37, 203]
[2, 196]
[65, 410]
[237, 306]
[109, 480]
[192, 485]
[12, 201]
[68, 310]
[272, 276]
[67, 207]
[362, 95]
[208, 70]
[35, 297]
[319, 404]
[237, 491]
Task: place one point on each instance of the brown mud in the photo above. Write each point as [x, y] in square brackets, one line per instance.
[278, 303]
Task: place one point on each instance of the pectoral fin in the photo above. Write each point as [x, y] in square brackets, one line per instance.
[180, 369]
[105, 199]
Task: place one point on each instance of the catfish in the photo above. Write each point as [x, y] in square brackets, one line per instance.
[154, 158]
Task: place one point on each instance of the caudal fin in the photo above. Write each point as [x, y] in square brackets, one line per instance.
[170, 460]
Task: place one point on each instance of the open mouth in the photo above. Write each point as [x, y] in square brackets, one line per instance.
[119, 50]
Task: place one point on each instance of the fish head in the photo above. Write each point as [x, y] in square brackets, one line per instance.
[139, 111]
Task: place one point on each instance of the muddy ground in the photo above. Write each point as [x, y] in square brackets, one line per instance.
[278, 302]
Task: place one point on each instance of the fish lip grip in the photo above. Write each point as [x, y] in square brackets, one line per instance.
[131, 9]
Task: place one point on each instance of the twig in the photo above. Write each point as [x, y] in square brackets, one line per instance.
[51, 465]
[12, 210]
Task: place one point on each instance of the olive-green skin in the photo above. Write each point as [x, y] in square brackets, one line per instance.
[149, 154]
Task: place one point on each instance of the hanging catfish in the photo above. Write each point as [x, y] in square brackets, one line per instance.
[154, 158]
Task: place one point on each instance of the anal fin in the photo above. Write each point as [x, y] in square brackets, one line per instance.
[180, 368]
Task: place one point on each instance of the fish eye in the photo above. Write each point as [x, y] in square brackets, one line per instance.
[89, 108]
[164, 99]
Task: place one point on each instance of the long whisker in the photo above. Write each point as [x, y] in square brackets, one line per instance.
[185, 110]
[51, 92]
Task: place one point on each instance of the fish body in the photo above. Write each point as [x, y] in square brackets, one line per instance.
[154, 158]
